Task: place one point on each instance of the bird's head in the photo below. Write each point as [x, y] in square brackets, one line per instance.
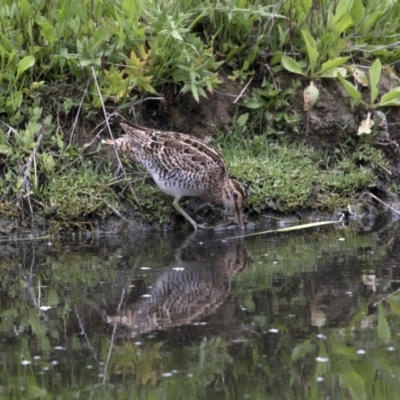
[235, 196]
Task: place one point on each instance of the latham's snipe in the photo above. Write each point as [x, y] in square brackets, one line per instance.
[183, 166]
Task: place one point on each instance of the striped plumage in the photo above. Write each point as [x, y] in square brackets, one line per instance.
[183, 166]
[185, 291]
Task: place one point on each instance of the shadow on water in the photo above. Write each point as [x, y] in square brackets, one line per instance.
[299, 315]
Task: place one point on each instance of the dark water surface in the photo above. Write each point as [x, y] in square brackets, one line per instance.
[298, 315]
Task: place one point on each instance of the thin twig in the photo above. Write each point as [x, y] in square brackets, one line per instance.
[117, 213]
[84, 333]
[99, 131]
[387, 205]
[25, 186]
[385, 169]
[243, 90]
[78, 113]
[110, 133]
[146, 99]
[112, 338]
[386, 297]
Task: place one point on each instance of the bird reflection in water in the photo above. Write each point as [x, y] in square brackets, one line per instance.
[186, 291]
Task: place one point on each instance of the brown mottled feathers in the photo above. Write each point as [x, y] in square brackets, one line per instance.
[180, 150]
[183, 166]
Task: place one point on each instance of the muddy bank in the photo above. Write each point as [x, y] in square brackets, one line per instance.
[364, 216]
[329, 127]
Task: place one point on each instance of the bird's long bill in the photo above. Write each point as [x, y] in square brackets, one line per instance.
[239, 218]
[108, 141]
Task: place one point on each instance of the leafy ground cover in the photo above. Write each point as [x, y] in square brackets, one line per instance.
[67, 66]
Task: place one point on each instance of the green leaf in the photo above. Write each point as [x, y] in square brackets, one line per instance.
[48, 31]
[308, 39]
[332, 73]
[383, 326]
[331, 64]
[394, 303]
[292, 66]
[357, 12]
[301, 350]
[374, 76]
[350, 88]
[313, 56]
[4, 149]
[253, 103]
[342, 19]
[15, 100]
[241, 121]
[343, 8]
[24, 64]
[353, 382]
[343, 24]
[311, 46]
[391, 98]
[5, 44]
[26, 8]
[66, 14]
[369, 21]
[374, 94]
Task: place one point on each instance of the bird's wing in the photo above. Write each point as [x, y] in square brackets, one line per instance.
[185, 152]
[177, 151]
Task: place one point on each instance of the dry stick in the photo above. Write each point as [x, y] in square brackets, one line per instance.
[99, 131]
[78, 113]
[116, 212]
[111, 135]
[84, 334]
[386, 297]
[243, 90]
[25, 172]
[113, 338]
[385, 169]
[387, 205]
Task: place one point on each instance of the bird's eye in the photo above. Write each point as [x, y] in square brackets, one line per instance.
[235, 195]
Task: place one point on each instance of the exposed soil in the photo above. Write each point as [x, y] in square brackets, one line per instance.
[330, 122]
[182, 113]
[328, 125]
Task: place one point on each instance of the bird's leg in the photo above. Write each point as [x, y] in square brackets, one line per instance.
[185, 214]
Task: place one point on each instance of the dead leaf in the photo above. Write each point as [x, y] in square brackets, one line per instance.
[366, 125]
[310, 96]
[360, 77]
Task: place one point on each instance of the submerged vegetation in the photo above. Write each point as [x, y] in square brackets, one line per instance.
[64, 64]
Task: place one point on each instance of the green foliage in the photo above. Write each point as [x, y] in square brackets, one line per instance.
[267, 110]
[391, 98]
[151, 204]
[288, 177]
[49, 53]
[328, 69]
[329, 33]
[61, 185]
[345, 26]
[82, 192]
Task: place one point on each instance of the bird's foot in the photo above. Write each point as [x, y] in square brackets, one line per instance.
[204, 226]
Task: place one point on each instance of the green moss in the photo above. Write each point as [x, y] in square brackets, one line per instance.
[82, 192]
[286, 178]
[181, 52]
[149, 202]
[292, 177]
